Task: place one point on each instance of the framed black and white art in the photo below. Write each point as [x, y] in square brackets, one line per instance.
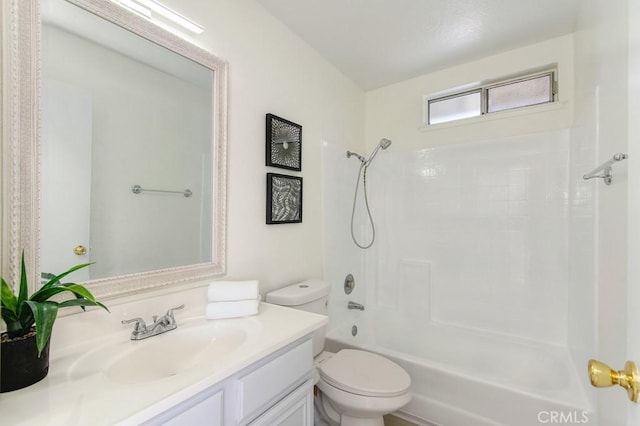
[283, 143]
[284, 199]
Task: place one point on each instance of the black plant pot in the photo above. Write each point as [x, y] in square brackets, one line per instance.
[19, 363]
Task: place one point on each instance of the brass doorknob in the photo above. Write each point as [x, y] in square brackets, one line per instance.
[80, 250]
[602, 376]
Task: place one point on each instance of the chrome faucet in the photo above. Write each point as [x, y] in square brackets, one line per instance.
[165, 323]
[354, 305]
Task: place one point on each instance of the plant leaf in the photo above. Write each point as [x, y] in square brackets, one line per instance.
[14, 326]
[82, 292]
[24, 290]
[80, 301]
[43, 295]
[56, 280]
[25, 320]
[45, 315]
[9, 300]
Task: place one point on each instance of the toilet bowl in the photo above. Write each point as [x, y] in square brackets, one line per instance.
[356, 388]
[360, 387]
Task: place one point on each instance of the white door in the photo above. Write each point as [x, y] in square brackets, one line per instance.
[618, 309]
[633, 284]
[65, 178]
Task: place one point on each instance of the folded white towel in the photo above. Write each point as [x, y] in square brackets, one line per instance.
[242, 308]
[224, 291]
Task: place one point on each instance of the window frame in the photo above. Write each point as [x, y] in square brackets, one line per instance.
[454, 96]
[484, 94]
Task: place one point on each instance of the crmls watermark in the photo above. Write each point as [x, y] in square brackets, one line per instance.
[563, 417]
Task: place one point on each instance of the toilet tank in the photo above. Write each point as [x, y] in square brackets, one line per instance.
[310, 296]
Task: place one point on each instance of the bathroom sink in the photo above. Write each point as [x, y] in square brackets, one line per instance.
[196, 343]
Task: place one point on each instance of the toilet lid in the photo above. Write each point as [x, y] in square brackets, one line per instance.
[365, 373]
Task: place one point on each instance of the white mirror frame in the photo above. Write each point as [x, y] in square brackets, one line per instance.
[21, 106]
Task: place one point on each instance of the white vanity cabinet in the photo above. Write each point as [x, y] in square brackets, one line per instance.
[276, 390]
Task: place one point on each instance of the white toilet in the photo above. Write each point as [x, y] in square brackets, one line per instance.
[356, 387]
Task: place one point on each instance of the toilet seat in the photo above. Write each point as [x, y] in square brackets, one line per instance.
[364, 373]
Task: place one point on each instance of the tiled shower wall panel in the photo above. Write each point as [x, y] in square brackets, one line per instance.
[475, 235]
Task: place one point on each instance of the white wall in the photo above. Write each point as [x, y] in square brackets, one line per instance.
[396, 111]
[273, 71]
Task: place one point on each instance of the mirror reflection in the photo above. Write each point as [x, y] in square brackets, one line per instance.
[119, 111]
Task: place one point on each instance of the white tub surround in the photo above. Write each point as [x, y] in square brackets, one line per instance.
[480, 276]
[84, 385]
[501, 380]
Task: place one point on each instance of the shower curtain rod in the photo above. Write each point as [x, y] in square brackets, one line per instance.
[605, 168]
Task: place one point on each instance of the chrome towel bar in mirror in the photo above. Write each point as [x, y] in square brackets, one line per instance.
[137, 189]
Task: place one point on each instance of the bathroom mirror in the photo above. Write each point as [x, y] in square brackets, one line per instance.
[122, 161]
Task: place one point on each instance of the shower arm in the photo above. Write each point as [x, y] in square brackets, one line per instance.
[358, 156]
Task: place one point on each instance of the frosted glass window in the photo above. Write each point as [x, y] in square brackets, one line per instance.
[520, 93]
[455, 107]
[530, 88]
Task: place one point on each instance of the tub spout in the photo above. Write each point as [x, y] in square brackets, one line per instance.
[354, 305]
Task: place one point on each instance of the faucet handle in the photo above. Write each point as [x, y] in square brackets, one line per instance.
[140, 326]
[170, 311]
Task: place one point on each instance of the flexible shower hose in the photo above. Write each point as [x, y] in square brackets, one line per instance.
[364, 166]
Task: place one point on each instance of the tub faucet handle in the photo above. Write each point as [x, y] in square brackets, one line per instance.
[354, 305]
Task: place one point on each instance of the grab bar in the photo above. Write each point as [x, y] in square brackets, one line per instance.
[137, 189]
[605, 168]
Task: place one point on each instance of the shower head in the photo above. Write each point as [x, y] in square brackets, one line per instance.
[384, 144]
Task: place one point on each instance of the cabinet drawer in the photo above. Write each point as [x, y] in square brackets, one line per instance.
[202, 409]
[269, 383]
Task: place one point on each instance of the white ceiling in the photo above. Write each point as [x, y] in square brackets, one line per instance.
[381, 42]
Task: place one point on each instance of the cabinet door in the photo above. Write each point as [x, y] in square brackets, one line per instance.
[271, 382]
[296, 409]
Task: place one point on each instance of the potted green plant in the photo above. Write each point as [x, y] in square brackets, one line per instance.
[29, 320]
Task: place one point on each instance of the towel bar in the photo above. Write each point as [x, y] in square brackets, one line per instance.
[605, 168]
[137, 189]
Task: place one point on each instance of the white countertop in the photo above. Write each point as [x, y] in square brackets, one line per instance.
[61, 399]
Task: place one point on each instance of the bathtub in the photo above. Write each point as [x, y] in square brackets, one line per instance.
[463, 377]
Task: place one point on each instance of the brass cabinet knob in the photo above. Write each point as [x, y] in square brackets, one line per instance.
[80, 250]
[602, 376]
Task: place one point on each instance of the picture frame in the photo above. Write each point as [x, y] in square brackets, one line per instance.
[284, 199]
[283, 146]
